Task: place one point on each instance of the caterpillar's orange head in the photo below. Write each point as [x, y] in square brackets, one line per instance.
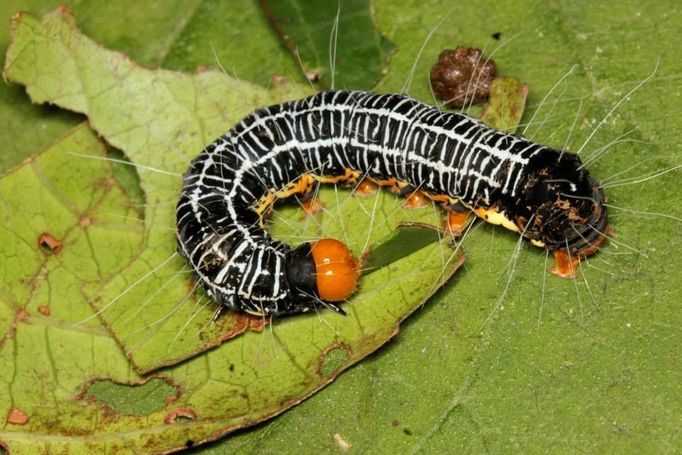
[322, 272]
[336, 270]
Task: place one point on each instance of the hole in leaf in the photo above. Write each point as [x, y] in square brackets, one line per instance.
[125, 174]
[49, 244]
[133, 399]
[333, 358]
[180, 415]
[410, 237]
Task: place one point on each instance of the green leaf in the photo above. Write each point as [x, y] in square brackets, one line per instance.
[350, 46]
[163, 118]
[156, 117]
[248, 48]
[550, 371]
[143, 30]
[46, 356]
[505, 107]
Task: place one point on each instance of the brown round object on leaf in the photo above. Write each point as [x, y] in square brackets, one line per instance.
[462, 77]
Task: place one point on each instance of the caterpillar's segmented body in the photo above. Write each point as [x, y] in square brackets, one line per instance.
[342, 136]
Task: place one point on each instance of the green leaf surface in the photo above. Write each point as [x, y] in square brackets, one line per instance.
[316, 38]
[46, 356]
[163, 118]
[561, 366]
[144, 30]
[506, 104]
[250, 51]
[138, 399]
[160, 119]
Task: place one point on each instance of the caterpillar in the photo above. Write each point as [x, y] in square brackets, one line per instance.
[542, 193]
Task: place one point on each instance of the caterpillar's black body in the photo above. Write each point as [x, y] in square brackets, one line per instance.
[535, 190]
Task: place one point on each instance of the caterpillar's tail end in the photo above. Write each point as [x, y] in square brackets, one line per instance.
[337, 271]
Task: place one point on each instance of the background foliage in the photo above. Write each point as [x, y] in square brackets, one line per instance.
[585, 366]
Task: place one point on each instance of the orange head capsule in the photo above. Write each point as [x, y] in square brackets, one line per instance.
[336, 270]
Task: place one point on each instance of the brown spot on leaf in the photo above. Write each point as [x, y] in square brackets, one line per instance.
[17, 417]
[49, 244]
[179, 414]
[395, 423]
[257, 323]
[64, 9]
[85, 221]
[244, 322]
[278, 79]
[22, 314]
[44, 310]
